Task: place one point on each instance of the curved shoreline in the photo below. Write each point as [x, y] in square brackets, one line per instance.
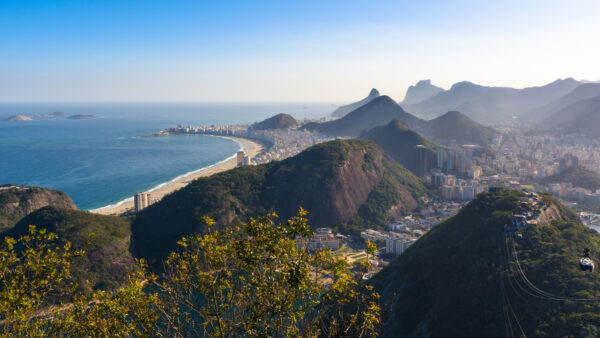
[251, 147]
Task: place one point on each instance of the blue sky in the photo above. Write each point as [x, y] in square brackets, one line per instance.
[285, 50]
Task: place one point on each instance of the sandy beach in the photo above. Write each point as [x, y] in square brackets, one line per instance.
[252, 148]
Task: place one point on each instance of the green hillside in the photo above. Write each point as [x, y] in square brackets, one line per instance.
[578, 177]
[398, 141]
[345, 184]
[17, 202]
[457, 127]
[279, 121]
[107, 261]
[468, 278]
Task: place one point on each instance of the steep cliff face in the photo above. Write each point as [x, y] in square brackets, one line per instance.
[17, 202]
[345, 184]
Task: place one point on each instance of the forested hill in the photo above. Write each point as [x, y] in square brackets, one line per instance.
[279, 121]
[399, 141]
[17, 202]
[467, 277]
[455, 127]
[107, 261]
[345, 184]
[578, 177]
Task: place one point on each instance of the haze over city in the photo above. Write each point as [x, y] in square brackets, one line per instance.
[307, 51]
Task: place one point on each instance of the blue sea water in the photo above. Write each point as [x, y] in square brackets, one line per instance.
[100, 161]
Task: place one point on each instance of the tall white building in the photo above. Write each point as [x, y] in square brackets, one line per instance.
[141, 201]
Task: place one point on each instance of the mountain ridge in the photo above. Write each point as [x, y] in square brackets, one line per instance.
[380, 111]
[343, 110]
[486, 103]
[420, 92]
[344, 184]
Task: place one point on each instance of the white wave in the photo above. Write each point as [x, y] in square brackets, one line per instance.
[180, 177]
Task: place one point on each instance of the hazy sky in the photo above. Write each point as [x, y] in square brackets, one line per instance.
[286, 50]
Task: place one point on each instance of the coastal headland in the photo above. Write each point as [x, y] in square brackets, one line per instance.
[251, 147]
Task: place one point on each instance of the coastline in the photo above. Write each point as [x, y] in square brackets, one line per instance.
[251, 147]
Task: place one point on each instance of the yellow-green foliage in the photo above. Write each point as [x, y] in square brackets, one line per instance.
[249, 281]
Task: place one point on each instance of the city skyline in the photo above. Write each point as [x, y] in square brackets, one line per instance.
[270, 51]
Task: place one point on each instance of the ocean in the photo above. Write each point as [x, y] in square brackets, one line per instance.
[101, 161]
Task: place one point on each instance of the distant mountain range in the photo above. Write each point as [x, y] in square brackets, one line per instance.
[400, 142]
[583, 92]
[467, 277]
[420, 92]
[581, 117]
[346, 184]
[279, 121]
[380, 111]
[343, 110]
[452, 127]
[490, 104]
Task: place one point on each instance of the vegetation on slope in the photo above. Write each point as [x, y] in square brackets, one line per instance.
[254, 281]
[335, 181]
[17, 202]
[458, 279]
[457, 127]
[578, 177]
[279, 121]
[105, 239]
[398, 141]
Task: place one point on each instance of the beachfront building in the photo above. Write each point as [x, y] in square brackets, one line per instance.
[240, 158]
[142, 201]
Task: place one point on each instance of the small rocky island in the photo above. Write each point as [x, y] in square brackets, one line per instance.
[21, 118]
[81, 117]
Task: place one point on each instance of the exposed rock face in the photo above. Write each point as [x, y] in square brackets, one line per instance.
[336, 182]
[340, 201]
[17, 202]
[420, 92]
